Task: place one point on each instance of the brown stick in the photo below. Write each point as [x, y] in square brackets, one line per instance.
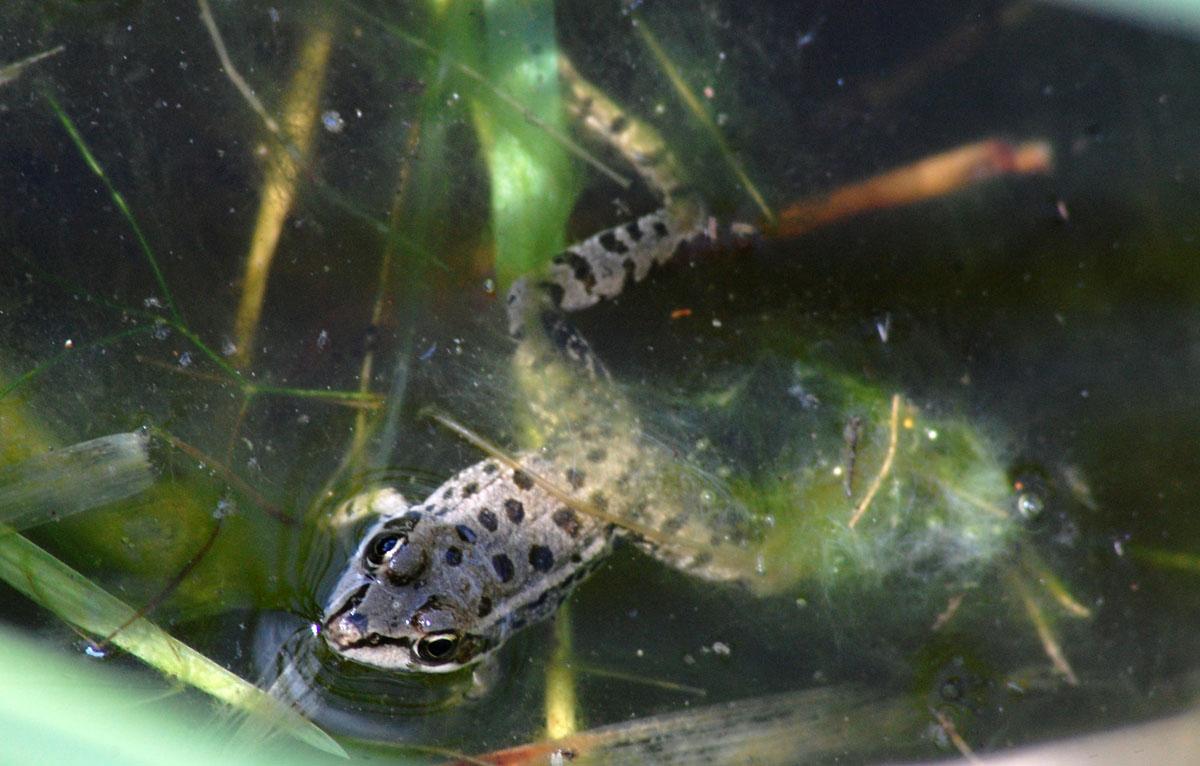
[934, 176]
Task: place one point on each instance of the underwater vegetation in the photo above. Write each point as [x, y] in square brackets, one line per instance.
[253, 266]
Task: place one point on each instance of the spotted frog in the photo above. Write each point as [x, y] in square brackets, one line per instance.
[889, 493]
[438, 585]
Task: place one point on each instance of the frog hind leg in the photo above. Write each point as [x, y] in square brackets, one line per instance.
[606, 264]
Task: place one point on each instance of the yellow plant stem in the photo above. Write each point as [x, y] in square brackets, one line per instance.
[301, 105]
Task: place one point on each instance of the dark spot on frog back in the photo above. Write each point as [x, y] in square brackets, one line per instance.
[488, 520]
[575, 478]
[465, 533]
[522, 480]
[514, 509]
[541, 558]
[567, 520]
[503, 566]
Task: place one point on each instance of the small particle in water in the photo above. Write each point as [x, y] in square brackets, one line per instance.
[224, 509]
[801, 602]
[808, 401]
[303, 419]
[633, 614]
[721, 648]
[68, 343]
[152, 303]
[94, 651]
[489, 286]
[315, 628]
[228, 348]
[931, 434]
[322, 340]
[185, 359]
[641, 653]
[884, 327]
[1064, 214]
[161, 331]
[716, 322]
[689, 659]
[332, 120]
[429, 352]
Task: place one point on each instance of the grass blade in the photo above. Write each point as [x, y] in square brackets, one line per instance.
[66, 481]
[74, 598]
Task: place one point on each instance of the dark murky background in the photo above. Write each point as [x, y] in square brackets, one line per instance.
[1057, 313]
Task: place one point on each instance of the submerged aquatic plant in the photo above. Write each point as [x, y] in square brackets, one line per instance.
[861, 485]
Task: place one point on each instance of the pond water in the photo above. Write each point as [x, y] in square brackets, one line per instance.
[1049, 320]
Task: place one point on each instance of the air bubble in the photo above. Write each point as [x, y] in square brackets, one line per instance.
[1030, 505]
[333, 122]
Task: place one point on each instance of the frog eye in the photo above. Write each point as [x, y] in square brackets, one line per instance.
[438, 648]
[381, 546]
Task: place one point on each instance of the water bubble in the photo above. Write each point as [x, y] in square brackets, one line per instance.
[332, 120]
[1030, 504]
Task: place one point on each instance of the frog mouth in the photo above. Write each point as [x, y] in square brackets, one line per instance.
[346, 629]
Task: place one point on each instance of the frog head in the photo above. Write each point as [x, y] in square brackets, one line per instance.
[408, 600]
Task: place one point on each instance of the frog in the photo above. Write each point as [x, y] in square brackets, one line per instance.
[439, 585]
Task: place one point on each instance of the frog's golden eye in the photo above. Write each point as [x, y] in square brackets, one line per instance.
[381, 546]
[438, 648]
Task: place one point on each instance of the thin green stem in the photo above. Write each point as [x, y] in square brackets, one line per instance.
[117, 198]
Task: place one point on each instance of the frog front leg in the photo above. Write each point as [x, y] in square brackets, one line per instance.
[377, 503]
